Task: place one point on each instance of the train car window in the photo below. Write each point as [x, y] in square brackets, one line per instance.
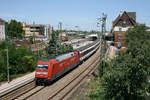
[86, 52]
[44, 67]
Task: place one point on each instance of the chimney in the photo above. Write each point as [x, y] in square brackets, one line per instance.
[121, 13]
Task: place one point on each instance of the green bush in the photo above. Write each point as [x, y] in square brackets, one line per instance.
[3, 77]
[127, 77]
[21, 60]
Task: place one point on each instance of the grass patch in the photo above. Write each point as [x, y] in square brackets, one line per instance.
[19, 75]
[87, 90]
[95, 90]
[15, 76]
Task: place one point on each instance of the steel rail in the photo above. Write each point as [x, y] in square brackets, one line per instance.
[97, 60]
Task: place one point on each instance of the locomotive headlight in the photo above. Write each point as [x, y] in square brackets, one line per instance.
[45, 73]
[38, 72]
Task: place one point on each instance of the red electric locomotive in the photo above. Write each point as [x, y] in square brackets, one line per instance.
[49, 69]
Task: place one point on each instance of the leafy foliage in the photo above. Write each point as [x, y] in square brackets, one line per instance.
[55, 48]
[15, 29]
[65, 48]
[21, 60]
[127, 76]
[53, 45]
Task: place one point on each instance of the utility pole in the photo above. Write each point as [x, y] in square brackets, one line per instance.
[8, 75]
[103, 28]
[8, 64]
[102, 20]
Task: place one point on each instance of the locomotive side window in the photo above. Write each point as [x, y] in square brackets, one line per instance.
[44, 67]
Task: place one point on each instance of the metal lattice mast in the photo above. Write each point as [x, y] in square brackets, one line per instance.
[102, 20]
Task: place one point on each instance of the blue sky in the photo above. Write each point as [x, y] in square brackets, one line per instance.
[71, 13]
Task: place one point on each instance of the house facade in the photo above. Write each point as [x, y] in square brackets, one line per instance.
[48, 31]
[122, 23]
[39, 31]
[2, 29]
[148, 29]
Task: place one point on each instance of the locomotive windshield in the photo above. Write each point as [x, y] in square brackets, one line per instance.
[45, 67]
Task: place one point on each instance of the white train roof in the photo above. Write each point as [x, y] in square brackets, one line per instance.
[93, 35]
[64, 56]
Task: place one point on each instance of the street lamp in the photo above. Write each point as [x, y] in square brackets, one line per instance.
[8, 76]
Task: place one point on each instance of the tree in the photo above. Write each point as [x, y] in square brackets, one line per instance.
[127, 76]
[31, 39]
[3, 68]
[2, 45]
[126, 79]
[21, 60]
[53, 45]
[64, 48]
[14, 29]
[55, 48]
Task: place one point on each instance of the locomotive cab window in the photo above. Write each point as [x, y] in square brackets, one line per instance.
[44, 67]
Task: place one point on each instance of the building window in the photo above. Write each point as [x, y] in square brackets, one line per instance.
[119, 36]
[124, 22]
[120, 29]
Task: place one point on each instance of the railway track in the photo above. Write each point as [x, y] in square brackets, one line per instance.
[19, 89]
[62, 93]
[28, 94]
[30, 91]
[64, 86]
